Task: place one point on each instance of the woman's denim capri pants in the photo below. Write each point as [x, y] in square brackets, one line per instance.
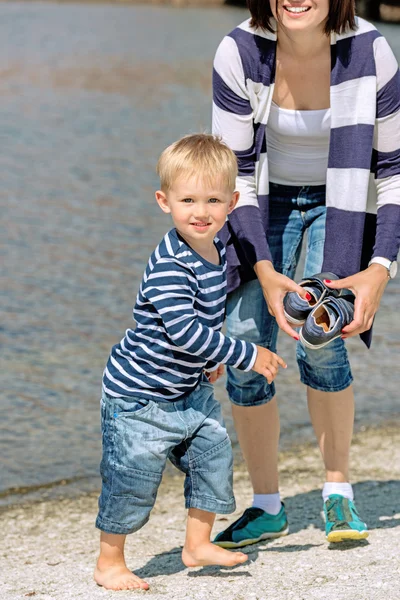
[294, 211]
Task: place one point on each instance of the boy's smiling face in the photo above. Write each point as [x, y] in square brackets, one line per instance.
[198, 208]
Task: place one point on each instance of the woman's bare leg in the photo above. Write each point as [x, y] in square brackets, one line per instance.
[258, 429]
[332, 416]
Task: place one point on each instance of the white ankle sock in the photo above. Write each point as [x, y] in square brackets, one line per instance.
[270, 503]
[343, 489]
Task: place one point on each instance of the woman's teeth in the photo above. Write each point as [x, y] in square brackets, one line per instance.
[297, 9]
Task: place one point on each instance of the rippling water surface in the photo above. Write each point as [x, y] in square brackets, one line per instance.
[90, 96]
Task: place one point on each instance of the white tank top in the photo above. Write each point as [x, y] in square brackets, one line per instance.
[298, 145]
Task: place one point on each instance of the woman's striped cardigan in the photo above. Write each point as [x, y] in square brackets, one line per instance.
[363, 176]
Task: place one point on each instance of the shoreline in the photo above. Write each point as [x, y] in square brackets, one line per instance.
[50, 547]
[173, 3]
[84, 485]
[389, 13]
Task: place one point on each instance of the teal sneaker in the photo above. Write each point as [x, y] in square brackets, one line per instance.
[342, 521]
[253, 526]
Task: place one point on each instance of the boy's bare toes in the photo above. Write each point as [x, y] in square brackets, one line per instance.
[241, 557]
[119, 578]
[209, 554]
[133, 582]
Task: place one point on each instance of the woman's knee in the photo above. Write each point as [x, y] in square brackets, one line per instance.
[248, 388]
[326, 369]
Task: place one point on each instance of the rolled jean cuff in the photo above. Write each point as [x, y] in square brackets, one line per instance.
[116, 528]
[325, 379]
[211, 505]
[247, 397]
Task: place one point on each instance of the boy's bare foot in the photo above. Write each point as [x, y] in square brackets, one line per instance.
[111, 571]
[118, 577]
[209, 554]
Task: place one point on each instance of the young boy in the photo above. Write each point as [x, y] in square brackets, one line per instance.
[157, 401]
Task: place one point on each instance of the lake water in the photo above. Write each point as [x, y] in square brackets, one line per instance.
[91, 94]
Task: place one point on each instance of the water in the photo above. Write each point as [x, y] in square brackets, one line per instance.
[91, 94]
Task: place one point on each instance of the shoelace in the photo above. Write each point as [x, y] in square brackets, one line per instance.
[339, 511]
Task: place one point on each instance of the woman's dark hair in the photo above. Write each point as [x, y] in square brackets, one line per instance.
[341, 15]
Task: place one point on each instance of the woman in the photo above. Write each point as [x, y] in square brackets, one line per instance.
[307, 95]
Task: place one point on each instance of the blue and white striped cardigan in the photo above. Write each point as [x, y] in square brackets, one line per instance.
[363, 175]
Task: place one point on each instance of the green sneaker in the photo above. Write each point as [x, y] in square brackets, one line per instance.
[253, 526]
[342, 521]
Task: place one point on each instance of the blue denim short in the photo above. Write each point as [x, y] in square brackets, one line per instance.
[140, 434]
[294, 211]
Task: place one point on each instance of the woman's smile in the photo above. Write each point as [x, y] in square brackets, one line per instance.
[296, 11]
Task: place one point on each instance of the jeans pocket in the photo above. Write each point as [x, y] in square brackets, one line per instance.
[129, 409]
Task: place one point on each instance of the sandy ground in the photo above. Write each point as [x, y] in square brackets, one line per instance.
[49, 548]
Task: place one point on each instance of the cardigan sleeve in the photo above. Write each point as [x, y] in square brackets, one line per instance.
[233, 121]
[386, 152]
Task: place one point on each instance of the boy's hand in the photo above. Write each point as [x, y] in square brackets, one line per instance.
[214, 375]
[267, 363]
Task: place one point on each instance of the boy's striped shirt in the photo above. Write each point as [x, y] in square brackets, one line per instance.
[179, 313]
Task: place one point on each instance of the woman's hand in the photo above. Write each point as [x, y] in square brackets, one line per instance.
[368, 287]
[275, 286]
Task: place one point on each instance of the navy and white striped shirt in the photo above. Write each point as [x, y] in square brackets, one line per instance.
[363, 175]
[179, 313]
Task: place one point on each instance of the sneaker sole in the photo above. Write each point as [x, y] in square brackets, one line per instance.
[346, 534]
[308, 345]
[264, 536]
[292, 320]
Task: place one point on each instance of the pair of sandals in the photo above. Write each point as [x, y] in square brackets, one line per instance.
[323, 316]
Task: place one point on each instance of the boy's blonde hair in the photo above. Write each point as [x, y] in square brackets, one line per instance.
[199, 155]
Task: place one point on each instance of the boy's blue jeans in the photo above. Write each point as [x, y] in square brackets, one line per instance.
[139, 435]
[294, 211]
